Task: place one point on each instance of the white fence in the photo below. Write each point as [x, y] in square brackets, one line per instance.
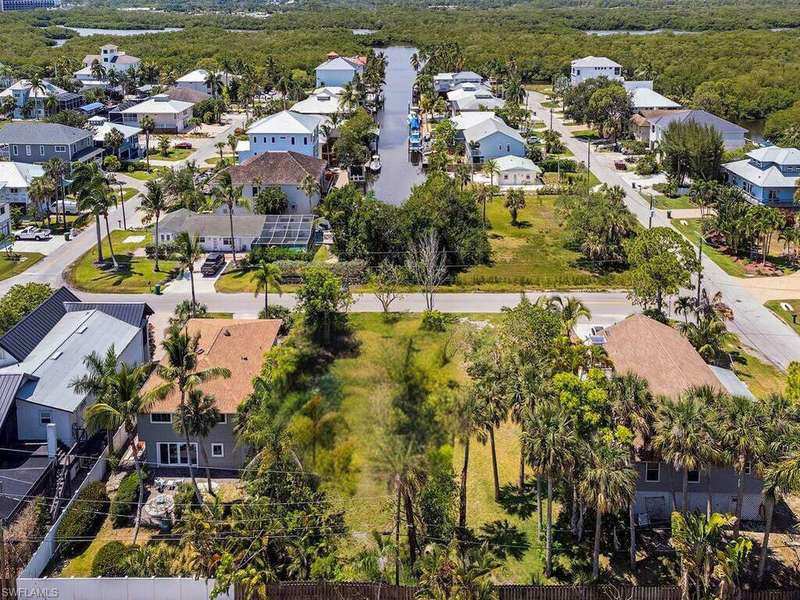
[118, 588]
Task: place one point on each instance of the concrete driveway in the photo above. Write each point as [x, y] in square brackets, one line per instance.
[46, 247]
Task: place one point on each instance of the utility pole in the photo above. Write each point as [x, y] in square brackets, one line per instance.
[397, 534]
[650, 222]
[699, 268]
[122, 201]
[3, 579]
[551, 119]
[588, 165]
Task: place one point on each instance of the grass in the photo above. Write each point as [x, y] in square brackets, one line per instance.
[551, 178]
[667, 203]
[551, 104]
[542, 88]
[135, 274]
[10, 268]
[173, 154]
[143, 175]
[219, 315]
[365, 403]
[532, 254]
[214, 160]
[761, 377]
[585, 134]
[775, 306]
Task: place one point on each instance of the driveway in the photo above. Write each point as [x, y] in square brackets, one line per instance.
[46, 247]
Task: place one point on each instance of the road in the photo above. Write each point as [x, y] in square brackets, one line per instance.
[755, 325]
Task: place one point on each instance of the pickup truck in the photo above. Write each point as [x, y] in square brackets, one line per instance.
[33, 233]
[184, 145]
[212, 264]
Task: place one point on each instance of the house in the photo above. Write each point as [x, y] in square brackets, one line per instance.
[592, 67]
[111, 58]
[516, 170]
[663, 357]
[8, 5]
[650, 126]
[339, 70]
[46, 349]
[36, 103]
[39, 142]
[5, 215]
[236, 345]
[465, 120]
[169, 116]
[283, 131]
[196, 80]
[129, 150]
[492, 139]
[767, 176]
[213, 230]
[15, 179]
[444, 82]
[480, 100]
[185, 94]
[323, 102]
[644, 97]
[286, 170]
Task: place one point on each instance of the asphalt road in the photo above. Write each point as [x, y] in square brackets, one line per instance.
[755, 325]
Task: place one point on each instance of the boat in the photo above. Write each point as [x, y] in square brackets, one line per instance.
[375, 163]
[414, 144]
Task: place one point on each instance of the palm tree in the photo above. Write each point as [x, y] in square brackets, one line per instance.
[213, 82]
[154, 202]
[220, 146]
[696, 538]
[484, 193]
[310, 187]
[164, 145]
[609, 484]
[187, 252]
[114, 140]
[231, 196]
[233, 141]
[121, 408]
[266, 276]
[96, 382]
[55, 169]
[40, 191]
[572, 309]
[198, 420]
[89, 186]
[550, 437]
[466, 421]
[515, 202]
[148, 125]
[180, 375]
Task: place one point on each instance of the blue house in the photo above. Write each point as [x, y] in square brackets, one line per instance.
[285, 131]
[491, 139]
[767, 176]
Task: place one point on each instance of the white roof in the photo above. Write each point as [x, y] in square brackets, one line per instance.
[470, 119]
[478, 102]
[516, 163]
[333, 90]
[340, 63]
[200, 75]
[465, 90]
[18, 175]
[159, 105]
[487, 128]
[643, 98]
[443, 77]
[322, 103]
[126, 130]
[776, 154]
[770, 177]
[633, 85]
[242, 146]
[47, 89]
[286, 122]
[595, 61]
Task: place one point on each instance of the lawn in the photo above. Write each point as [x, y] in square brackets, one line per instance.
[135, 274]
[532, 254]
[239, 280]
[365, 403]
[775, 306]
[173, 154]
[214, 160]
[552, 178]
[143, 175]
[542, 88]
[761, 377]
[551, 104]
[585, 134]
[667, 203]
[10, 268]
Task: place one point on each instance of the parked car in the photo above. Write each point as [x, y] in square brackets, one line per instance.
[33, 233]
[70, 206]
[213, 264]
[620, 165]
[184, 145]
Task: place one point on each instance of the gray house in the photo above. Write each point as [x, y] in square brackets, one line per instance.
[39, 142]
[236, 345]
[46, 350]
[661, 355]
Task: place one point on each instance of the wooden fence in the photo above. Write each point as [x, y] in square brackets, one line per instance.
[379, 591]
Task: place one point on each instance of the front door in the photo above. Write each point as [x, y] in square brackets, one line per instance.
[656, 508]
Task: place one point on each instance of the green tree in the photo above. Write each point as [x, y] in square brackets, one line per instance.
[514, 202]
[689, 149]
[97, 381]
[610, 109]
[267, 276]
[92, 194]
[113, 140]
[154, 203]
[324, 303]
[229, 195]
[19, 300]
[187, 252]
[196, 421]
[164, 146]
[148, 125]
[271, 200]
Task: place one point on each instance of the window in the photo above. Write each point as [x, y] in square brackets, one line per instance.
[174, 453]
[60, 148]
[305, 140]
[226, 241]
[160, 418]
[15, 150]
[27, 149]
[748, 468]
[217, 450]
[255, 191]
[652, 471]
[41, 150]
[693, 476]
[223, 418]
[45, 417]
[273, 139]
[772, 195]
[292, 141]
[201, 239]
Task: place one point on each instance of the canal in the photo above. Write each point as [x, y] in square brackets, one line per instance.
[398, 174]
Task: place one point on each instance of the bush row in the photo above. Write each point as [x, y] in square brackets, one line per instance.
[83, 518]
[123, 506]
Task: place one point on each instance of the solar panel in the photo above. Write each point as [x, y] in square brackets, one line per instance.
[286, 230]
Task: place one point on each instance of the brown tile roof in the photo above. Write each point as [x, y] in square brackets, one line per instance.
[277, 168]
[234, 344]
[657, 353]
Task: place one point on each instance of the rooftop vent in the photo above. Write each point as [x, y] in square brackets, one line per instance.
[83, 329]
[57, 355]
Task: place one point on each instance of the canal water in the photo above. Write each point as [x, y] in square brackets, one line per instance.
[398, 174]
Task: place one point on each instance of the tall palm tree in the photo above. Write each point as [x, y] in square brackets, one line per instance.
[309, 186]
[609, 484]
[96, 382]
[491, 391]
[572, 309]
[230, 195]
[41, 191]
[187, 252]
[220, 146]
[696, 538]
[466, 421]
[213, 82]
[148, 125]
[550, 438]
[197, 420]
[55, 169]
[154, 202]
[91, 192]
[180, 375]
[121, 408]
[266, 276]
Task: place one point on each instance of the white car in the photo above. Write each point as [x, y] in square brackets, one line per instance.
[33, 233]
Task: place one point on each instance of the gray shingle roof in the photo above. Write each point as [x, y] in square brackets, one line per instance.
[132, 313]
[21, 475]
[41, 133]
[22, 338]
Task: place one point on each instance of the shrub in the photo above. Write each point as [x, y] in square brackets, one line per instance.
[349, 271]
[185, 499]
[110, 560]
[165, 250]
[276, 311]
[433, 320]
[83, 518]
[552, 165]
[647, 165]
[123, 506]
[274, 253]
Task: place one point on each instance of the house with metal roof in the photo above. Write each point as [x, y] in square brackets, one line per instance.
[491, 139]
[130, 148]
[481, 100]
[111, 58]
[286, 131]
[46, 350]
[644, 97]
[15, 179]
[445, 82]
[767, 176]
[339, 70]
[517, 170]
[197, 80]
[35, 103]
[591, 67]
[324, 102]
[169, 116]
[34, 142]
[652, 125]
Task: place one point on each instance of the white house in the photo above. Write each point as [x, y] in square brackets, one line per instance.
[324, 101]
[517, 170]
[655, 123]
[592, 67]
[644, 97]
[169, 116]
[15, 178]
[339, 70]
[445, 82]
[22, 91]
[492, 139]
[111, 58]
[130, 149]
[283, 131]
[196, 80]
[470, 97]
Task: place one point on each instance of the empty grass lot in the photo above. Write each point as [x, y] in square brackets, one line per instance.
[775, 306]
[172, 155]
[21, 262]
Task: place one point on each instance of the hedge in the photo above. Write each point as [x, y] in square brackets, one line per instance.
[83, 519]
[349, 271]
[123, 506]
[109, 560]
[552, 165]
